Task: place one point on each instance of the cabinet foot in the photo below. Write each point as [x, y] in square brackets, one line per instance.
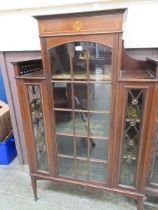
[34, 187]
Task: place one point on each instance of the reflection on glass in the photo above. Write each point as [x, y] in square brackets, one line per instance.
[80, 96]
[131, 138]
[99, 149]
[66, 167]
[65, 145]
[81, 123]
[99, 124]
[38, 126]
[64, 122]
[154, 175]
[60, 61]
[81, 146]
[99, 96]
[100, 62]
[154, 170]
[81, 58]
[62, 95]
[82, 169]
[98, 172]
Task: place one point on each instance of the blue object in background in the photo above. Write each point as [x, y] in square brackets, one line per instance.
[2, 89]
[7, 147]
[7, 150]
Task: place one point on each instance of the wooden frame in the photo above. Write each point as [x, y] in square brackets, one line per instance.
[148, 88]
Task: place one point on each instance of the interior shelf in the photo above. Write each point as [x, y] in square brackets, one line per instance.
[81, 77]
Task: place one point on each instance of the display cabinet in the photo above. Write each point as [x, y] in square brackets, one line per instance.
[86, 106]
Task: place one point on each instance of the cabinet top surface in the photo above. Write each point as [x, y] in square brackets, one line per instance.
[80, 14]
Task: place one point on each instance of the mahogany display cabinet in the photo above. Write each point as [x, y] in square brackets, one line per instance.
[90, 112]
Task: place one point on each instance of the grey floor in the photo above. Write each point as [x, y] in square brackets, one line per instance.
[16, 194]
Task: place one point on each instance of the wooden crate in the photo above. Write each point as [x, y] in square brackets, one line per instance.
[5, 121]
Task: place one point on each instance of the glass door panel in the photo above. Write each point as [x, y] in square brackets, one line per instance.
[81, 123]
[99, 124]
[82, 92]
[99, 96]
[81, 146]
[66, 167]
[101, 175]
[60, 62]
[81, 61]
[64, 122]
[82, 169]
[100, 150]
[100, 62]
[65, 145]
[62, 95]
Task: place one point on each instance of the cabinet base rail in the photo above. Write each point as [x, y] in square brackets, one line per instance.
[133, 195]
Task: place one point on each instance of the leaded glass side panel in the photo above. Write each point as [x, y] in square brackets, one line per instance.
[131, 136]
[36, 109]
[154, 170]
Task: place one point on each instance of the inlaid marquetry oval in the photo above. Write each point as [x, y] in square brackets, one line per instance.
[77, 25]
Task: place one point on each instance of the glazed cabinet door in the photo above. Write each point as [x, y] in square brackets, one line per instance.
[81, 79]
[37, 125]
[133, 116]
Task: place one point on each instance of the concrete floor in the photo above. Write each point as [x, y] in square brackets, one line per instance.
[16, 194]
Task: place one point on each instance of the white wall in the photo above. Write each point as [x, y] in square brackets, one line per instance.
[19, 30]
